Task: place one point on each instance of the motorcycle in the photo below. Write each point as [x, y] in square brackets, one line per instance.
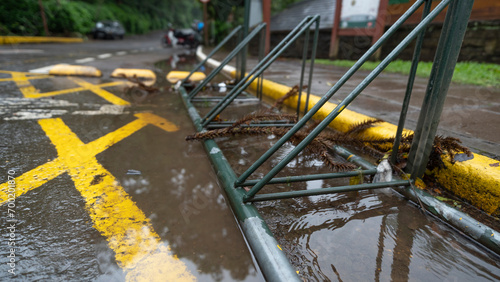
[184, 37]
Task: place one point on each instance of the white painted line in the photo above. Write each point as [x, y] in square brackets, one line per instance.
[44, 70]
[134, 51]
[84, 60]
[20, 51]
[121, 53]
[104, 56]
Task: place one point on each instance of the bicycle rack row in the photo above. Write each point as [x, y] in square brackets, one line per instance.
[271, 259]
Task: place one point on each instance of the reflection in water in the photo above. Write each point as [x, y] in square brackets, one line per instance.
[178, 192]
[360, 236]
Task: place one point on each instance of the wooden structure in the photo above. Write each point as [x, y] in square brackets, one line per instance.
[375, 32]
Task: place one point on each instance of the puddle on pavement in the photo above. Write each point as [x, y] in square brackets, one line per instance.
[350, 237]
[358, 236]
[355, 236]
[170, 180]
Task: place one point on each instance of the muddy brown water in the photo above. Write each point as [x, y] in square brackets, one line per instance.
[355, 236]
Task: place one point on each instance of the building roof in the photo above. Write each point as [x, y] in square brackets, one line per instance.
[287, 19]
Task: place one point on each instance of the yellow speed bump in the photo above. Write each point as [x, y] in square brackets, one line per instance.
[74, 70]
[148, 75]
[175, 76]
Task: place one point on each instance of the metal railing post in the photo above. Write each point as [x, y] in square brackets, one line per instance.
[259, 69]
[445, 60]
[226, 39]
[409, 86]
[341, 106]
[226, 60]
[330, 92]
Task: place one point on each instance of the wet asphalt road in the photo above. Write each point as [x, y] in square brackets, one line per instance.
[108, 191]
[102, 184]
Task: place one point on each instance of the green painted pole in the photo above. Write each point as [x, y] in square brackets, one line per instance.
[328, 95]
[325, 191]
[246, 28]
[302, 178]
[226, 60]
[270, 258]
[341, 106]
[409, 86]
[217, 48]
[260, 68]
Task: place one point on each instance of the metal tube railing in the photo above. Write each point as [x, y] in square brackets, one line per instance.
[304, 59]
[229, 57]
[222, 43]
[302, 178]
[409, 86]
[256, 72]
[311, 66]
[276, 49]
[315, 132]
[329, 190]
[444, 64]
[331, 92]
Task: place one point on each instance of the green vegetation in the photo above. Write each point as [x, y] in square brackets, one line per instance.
[23, 17]
[481, 74]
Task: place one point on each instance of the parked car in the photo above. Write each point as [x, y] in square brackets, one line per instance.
[108, 29]
[362, 21]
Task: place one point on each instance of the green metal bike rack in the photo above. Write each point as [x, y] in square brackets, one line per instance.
[236, 31]
[236, 51]
[270, 257]
[300, 29]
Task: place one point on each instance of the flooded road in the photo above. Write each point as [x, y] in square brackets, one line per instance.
[103, 185]
[359, 236]
[111, 191]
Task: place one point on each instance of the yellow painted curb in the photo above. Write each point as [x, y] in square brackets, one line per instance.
[74, 70]
[175, 76]
[476, 180]
[148, 75]
[37, 39]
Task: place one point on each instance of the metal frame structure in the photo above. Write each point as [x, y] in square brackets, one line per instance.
[268, 253]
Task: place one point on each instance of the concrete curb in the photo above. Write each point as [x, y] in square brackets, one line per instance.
[476, 180]
[37, 39]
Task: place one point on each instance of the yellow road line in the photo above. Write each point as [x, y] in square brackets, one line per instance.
[138, 248]
[30, 78]
[37, 39]
[48, 171]
[22, 81]
[24, 84]
[108, 96]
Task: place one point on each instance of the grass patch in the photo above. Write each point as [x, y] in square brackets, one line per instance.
[481, 74]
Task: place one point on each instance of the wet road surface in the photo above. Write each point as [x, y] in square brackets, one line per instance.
[110, 191]
[102, 184]
[470, 112]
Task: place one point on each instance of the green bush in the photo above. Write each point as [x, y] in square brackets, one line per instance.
[65, 17]
[22, 17]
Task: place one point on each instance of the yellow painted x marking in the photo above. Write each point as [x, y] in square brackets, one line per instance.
[129, 233]
[22, 80]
